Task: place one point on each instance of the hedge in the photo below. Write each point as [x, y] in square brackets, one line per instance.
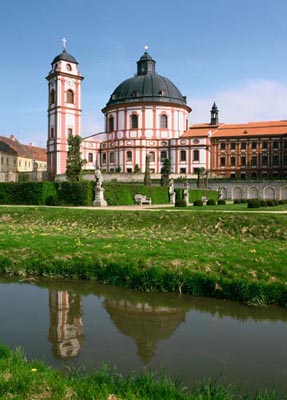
[124, 193]
[82, 193]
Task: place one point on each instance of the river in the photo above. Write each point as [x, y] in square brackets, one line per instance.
[72, 323]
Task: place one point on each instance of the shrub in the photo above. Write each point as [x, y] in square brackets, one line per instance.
[243, 201]
[270, 203]
[263, 203]
[237, 201]
[124, 193]
[198, 203]
[221, 202]
[253, 203]
[275, 202]
[211, 202]
[180, 203]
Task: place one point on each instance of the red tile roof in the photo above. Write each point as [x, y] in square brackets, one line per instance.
[265, 128]
[22, 150]
[201, 130]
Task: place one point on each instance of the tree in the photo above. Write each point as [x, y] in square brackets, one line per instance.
[165, 172]
[147, 180]
[74, 161]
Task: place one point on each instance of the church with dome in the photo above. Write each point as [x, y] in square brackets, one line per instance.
[148, 115]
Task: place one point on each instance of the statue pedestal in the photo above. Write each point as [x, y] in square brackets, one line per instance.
[99, 198]
[172, 198]
[186, 199]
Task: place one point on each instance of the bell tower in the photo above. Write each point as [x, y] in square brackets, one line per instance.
[64, 109]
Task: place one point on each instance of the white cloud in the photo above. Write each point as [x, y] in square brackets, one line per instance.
[258, 100]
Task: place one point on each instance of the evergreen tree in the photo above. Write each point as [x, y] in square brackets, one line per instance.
[74, 161]
[165, 172]
[147, 180]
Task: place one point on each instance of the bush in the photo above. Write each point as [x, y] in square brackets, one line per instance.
[253, 203]
[263, 203]
[198, 203]
[270, 203]
[211, 202]
[180, 203]
[243, 201]
[237, 201]
[221, 202]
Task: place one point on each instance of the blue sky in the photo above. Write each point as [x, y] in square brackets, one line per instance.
[234, 52]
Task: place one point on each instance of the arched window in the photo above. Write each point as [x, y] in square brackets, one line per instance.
[52, 96]
[196, 155]
[129, 156]
[182, 155]
[111, 124]
[135, 121]
[70, 131]
[70, 96]
[163, 121]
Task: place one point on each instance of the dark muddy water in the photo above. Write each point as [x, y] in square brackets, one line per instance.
[84, 323]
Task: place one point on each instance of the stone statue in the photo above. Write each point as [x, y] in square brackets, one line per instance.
[99, 190]
[171, 186]
[220, 192]
[186, 193]
[99, 178]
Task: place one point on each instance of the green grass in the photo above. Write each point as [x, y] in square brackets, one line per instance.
[239, 256]
[22, 379]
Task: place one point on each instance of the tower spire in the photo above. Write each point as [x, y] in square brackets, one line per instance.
[214, 114]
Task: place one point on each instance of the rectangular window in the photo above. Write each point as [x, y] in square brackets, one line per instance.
[243, 161]
[222, 161]
[7, 161]
[264, 160]
[265, 145]
[253, 161]
[129, 156]
[2, 160]
[52, 132]
[232, 146]
[182, 171]
[275, 144]
[112, 157]
[196, 155]
[90, 157]
[232, 161]
[243, 146]
[152, 156]
[222, 146]
[182, 155]
[104, 158]
[253, 145]
[163, 156]
[275, 160]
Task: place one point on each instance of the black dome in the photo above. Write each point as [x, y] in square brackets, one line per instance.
[64, 56]
[147, 85]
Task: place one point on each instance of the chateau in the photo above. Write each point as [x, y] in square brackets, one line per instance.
[147, 115]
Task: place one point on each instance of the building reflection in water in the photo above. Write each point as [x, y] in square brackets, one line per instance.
[146, 324]
[66, 326]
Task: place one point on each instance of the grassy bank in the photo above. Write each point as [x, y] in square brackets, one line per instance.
[21, 379]
[235, 256]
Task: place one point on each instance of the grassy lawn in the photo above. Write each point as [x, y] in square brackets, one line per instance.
[241, 256]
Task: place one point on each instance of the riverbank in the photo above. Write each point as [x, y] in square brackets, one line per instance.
[235, 256]
[34, 380]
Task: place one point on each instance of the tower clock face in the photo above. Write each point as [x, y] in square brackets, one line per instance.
[68, 67]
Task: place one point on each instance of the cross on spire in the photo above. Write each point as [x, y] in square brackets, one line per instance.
[64, 41]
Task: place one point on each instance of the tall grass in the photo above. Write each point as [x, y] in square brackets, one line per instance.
[22, 379]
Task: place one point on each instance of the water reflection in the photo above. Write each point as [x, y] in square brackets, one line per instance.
[146, 324]
[66, 326]
[90, 324]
